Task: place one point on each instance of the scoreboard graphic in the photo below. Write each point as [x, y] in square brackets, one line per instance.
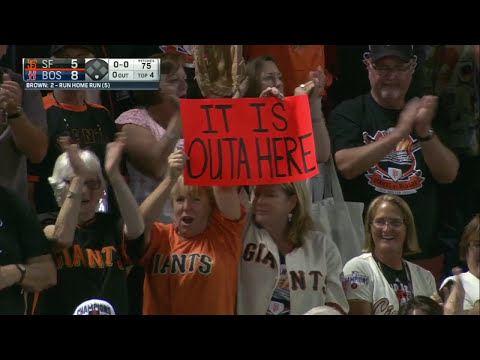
[78, 74]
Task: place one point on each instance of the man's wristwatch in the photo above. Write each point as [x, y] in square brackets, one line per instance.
[430, 136]
[23, 271]
[17, 114]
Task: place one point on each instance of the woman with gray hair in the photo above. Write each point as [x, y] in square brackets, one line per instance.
[89, 246]
[287, 267]
[380, 281]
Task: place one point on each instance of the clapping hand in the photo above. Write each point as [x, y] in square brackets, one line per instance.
[114, 153]
[427, 110]
[407, 117]
[74, 158]
[315, 86]
[10, 95]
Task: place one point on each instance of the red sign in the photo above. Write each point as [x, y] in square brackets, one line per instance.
[248, 141]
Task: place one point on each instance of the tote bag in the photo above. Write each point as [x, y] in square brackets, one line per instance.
[342, 221]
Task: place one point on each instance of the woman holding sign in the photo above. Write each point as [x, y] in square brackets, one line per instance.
[287, 267]
[191, 265]
[265, 80]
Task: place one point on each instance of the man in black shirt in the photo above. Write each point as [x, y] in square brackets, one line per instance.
[384, 143]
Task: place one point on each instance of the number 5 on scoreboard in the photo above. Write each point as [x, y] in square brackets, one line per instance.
[74, 63]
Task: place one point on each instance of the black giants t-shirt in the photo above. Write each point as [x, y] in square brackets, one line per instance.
[92, 268]
[402, 172]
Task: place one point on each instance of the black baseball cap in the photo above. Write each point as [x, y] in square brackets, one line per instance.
[56, 48]
[404, 52]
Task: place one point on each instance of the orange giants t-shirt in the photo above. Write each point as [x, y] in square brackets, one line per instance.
[193, 277]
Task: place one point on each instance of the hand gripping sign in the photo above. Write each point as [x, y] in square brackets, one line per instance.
[248, 141]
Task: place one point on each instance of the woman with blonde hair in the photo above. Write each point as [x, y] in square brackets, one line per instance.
[191, 265]
[380, 280]
[287, 267]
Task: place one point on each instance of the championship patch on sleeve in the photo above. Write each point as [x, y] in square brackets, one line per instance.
[345, 282]
[355, 279]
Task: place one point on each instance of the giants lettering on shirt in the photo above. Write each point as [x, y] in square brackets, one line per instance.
[78, 257]
[87, 137]
[259, 254]
[181, 264]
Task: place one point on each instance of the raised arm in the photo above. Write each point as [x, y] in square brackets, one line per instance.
[129, 210]
[153, 205]
[148, 154]
[29, 138]
[314, 88]
[454, 299]
[228, 201]
[63, 232]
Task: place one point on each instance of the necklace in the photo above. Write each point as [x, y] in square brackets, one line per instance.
[387, 274]
[64, 115]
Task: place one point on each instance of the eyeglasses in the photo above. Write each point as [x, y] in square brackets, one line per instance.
[394, 224]
[90, 184]
[475, 245]
[397, 70]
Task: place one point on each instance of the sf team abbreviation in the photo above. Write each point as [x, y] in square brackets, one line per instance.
[101, 73]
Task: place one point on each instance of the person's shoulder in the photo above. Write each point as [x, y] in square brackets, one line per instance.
[361, 260]
[351, 105]
[131, 112]
[161, 227]
[98, 110]
[467, 276]
[319, 237]
[136, 116]
[448, 278]
[95, 106]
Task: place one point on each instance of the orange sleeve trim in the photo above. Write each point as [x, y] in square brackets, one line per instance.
[98, 106]
[48, 101]
[33, 178]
